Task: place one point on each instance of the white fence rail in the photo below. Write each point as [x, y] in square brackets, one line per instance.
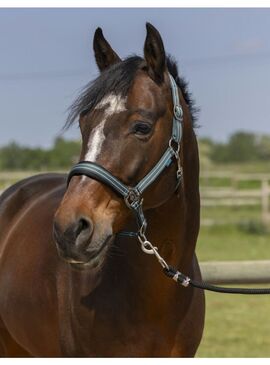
[236, 272]
[233, 196]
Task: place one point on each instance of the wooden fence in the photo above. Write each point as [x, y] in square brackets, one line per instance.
[233, 196]
[228, 196]
[236, 272]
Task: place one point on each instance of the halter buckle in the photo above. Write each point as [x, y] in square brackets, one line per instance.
[133, 199]
[178, 112]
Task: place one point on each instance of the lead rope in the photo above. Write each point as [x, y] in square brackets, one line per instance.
[186, 281]
[148, 248]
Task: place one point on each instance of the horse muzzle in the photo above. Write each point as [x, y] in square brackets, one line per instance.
[81, 244]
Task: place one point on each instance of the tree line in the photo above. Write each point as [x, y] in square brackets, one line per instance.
[62, 155]
[240, 147]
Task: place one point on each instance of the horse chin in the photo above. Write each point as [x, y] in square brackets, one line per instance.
[97, 258]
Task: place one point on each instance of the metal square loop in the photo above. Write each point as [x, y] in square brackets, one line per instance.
[133, 199]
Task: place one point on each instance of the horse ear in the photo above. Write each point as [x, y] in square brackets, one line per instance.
[154, 54]
[104, 54]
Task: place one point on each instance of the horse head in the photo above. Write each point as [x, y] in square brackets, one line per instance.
[125, 118]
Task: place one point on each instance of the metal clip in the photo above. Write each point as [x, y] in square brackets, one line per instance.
[179, 172]
[149, 251]
[145, 244]
[142, 230]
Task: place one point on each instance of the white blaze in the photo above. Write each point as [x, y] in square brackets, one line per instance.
[115, 104]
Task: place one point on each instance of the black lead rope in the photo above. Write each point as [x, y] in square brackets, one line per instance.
[186, 281]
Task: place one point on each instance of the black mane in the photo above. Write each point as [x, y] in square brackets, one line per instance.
[118, 79]
[183, 85]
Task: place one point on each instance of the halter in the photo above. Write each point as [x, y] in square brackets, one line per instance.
[133, 199]
[133, 195]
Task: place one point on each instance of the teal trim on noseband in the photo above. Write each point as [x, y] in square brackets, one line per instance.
[133, 195]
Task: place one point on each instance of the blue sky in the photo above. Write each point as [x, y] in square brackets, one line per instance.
[46, 57]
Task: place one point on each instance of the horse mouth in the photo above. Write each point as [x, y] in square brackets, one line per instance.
[94, 259]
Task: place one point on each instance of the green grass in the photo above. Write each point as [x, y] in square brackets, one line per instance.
[248, 184]
[222, 182]
[213, 182]
[233, 214]
[232, 243]
[10, 178]
[236, 326]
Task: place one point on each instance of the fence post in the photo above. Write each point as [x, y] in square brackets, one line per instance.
[265, 201]
[234, 182]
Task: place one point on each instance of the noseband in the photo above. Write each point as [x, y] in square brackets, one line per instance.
[133, 195]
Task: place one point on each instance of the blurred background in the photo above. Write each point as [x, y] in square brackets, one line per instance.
[46, 58]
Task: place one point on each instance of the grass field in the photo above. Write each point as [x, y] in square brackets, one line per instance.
[236, 326]
[221, 243]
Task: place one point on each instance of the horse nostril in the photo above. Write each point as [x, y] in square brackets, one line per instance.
[76, 235]
[83, 225]
[83, 230]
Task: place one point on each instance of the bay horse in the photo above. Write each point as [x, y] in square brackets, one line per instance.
[70, 284]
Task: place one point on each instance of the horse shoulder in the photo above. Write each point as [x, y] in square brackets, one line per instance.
[29, 262]
[19, 195]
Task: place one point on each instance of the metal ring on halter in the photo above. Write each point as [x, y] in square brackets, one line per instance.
[175, 151]
[133, 199]
[178, 112]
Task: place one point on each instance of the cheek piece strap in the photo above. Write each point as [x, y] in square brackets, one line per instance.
[133, 195]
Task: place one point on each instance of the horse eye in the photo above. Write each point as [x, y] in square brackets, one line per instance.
[142, 128]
